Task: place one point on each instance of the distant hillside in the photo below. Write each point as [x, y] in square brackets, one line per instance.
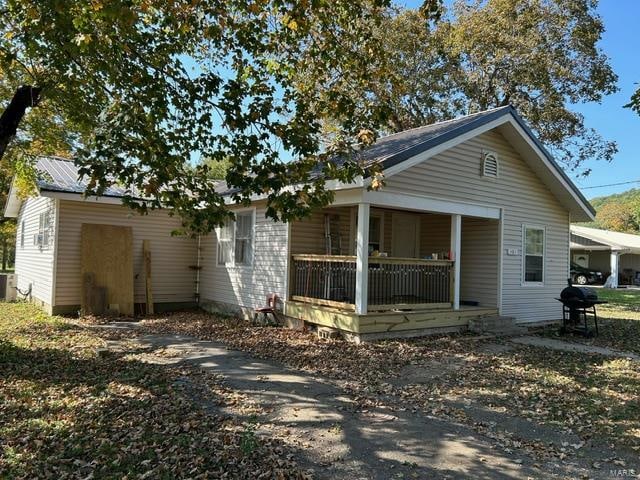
[619, 212]
[624, 197]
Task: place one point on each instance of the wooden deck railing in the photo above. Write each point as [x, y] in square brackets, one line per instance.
[394, 283]
[324, 279]
[398, 283]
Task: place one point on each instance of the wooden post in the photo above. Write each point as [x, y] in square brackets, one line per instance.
[362, 259]
[146, 250]
[456, 235]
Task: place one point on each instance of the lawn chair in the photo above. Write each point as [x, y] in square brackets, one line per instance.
[261, 315]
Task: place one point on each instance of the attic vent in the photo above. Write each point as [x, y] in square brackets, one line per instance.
[489, 164]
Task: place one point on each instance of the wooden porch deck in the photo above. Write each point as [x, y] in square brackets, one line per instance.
[385, 322]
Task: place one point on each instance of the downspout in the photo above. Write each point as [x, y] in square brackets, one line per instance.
[197, 293]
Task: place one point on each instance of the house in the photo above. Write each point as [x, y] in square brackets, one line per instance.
[615, 254]
[473, 223]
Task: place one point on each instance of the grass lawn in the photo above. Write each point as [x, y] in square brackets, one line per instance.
[621, 298]
[72, 409]
[619, 321]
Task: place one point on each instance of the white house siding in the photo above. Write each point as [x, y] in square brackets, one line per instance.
[35, 265]
[479, 261]
[247, 287]
[171, 256]
[455, 174]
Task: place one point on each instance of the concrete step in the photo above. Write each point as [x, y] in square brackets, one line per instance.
[497, 324]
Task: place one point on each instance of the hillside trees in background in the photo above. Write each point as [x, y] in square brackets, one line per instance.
[541, 56]
[619, 212]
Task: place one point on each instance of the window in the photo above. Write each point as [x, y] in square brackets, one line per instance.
[533, 254]
[244, 242]
[225, 243]
[489, 164]
[375, 234]
[235, 240]
[41, 239]
[22, 234]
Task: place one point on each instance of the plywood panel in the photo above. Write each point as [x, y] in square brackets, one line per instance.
[171, 256]
[107, 255]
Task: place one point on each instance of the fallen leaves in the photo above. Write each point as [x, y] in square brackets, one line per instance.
[576, 393]
[72, 410]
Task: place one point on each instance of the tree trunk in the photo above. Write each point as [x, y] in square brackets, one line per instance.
[26, 96]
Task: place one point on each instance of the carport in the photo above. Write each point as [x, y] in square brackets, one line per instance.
[615, 254]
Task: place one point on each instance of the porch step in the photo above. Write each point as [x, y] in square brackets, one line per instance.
[496, 324]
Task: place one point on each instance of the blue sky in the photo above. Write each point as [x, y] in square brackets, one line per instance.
[621, 42]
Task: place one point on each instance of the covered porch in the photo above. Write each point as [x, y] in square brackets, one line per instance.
[371, 268]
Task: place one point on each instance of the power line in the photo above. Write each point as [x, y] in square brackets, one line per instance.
[611, 185]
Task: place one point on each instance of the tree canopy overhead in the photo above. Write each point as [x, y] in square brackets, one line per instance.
[144, 84]
[541, 56]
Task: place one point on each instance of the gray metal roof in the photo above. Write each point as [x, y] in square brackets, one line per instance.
[56, 174]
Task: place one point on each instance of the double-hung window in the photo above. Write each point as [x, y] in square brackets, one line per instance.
[235, 240]
[41, 239]
[533, 255]
[243, 252]
[225, 243]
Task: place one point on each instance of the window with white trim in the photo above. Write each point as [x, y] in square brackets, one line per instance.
[225, 243]
[41, 239]
[533, 254]
[243, 252]
[235, 240]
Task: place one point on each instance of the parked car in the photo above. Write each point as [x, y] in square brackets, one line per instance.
[585, 276]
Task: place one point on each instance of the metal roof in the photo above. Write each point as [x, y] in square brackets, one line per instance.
[56, 174]
[615, 240]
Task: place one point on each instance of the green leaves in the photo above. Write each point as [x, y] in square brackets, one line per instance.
[149, 84]
[539, 56]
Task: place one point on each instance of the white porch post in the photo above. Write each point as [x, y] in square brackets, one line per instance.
[615, 257]
[456, 234]
[362, 259]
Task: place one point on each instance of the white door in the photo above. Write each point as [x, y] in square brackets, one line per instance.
[405, 235]
[581, 259]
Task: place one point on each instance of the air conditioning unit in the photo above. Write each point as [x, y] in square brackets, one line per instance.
[8, 284]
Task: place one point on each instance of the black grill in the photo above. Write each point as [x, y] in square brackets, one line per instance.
[578, 307]
[579, 296]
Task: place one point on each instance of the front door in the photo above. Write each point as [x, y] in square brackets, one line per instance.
[405, 234]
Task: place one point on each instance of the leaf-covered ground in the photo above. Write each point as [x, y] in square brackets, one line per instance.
[588, 395]
[618, 321]
[71, 408]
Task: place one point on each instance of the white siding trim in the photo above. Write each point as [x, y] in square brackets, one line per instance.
[500, 260]
[414, 202]
[54, 278]
[362, 259]
[456, 249]
[78, 197]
